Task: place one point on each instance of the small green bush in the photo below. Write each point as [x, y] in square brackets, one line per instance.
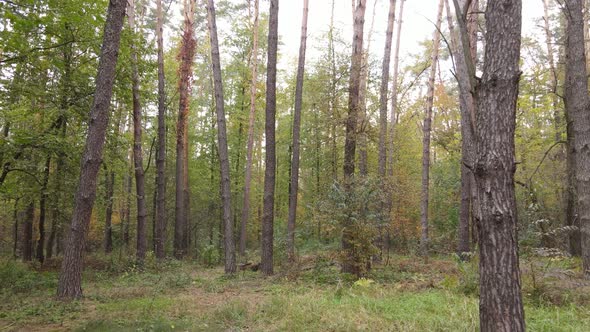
[17, 277]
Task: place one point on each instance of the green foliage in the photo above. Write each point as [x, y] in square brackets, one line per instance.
[17, 277]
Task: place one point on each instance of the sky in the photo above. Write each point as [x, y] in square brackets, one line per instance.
[417, 22]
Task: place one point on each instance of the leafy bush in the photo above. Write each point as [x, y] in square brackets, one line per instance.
[17, 277]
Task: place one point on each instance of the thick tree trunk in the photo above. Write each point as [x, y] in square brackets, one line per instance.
[467, 106]
[266, 264]
[348, 237]
[187, 51]
[137, 145]
[500, 304]
[160, 215]
[230, 252]
[108, 228]
[27, 217]
[43, 212]
[70, 278]
[296, 133]
[250, 144]
[578, 108]
[426, 129]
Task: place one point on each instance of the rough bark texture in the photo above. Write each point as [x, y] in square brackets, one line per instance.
[228, 232]
[349, 265]
[70, 278]
[250, 143]
[160, 218]
[43, 212]
[467, 107]
[426, 129]
[187, 51]
[26, 218]
[266, 264]
[296, 133]
[383, 91]
[137, 145]
[578, 109]
[500, 304]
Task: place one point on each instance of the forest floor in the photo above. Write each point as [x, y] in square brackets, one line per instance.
[407, 294]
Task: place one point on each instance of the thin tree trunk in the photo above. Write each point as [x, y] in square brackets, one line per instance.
[500, 303]
[15, 230]
[394, 88]
[229, 244]
[160, 215]
[333, 95]
[70, 278]
[467, 106]
[424, 239]
[250, 144]
[383, 90]
[296, 133]
[187, 51]
[137, 145]
[266, 264]
[578, 107]
[43, 212]
[27, 217]
[108, 228]
[350, 265]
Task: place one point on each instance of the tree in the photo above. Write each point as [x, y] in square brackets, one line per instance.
[250, 143]
[137, 143]
[350, 264]
[394, 97]
[426, 129]
[296, 133]
[70, 277]
[500, 303]
[266, 264]
[467, 107]
[187, 52]
[230, 252]
[578, 109]
[160, 218]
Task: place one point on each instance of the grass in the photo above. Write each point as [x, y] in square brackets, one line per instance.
[407, 295]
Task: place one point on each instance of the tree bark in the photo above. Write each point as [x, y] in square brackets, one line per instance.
[296, 133]
[266, 264]
[137, 145]
[230, 252]
[250, 144]
[27, 217]
[43, 212]
[160, 227]
[394, 88]
[500, 304]
[383, 90]
[577, 106]
[426, 130]
[467, 107]
[108, 228]
[349, 264]
[187, 52]
[70, 278]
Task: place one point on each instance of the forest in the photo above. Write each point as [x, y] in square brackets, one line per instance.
[230, 165]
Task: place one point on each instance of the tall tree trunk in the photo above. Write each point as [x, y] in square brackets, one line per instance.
[394, 88]
[160, 229]
[587, 33]
[70, 278]
[333, 95]
[230, 251]
[43, 211]
[137, 145]
[383, 90]
[424, 239]
[467, 106]
[363, 119]
[187, 51]
[15, 218]
[266, 264]
[500, 304]
[350, 265]
[296, 133]
[250, 144]
[108, 228]
[578, 108]
[27, 217]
